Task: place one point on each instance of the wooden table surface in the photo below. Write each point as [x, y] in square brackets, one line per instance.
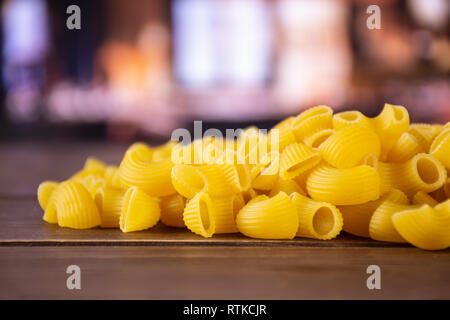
[169, 263]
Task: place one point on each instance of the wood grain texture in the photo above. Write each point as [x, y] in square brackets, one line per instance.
[21, 224]
[223, 273]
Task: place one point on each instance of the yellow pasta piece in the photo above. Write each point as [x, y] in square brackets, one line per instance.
[73, 207]
[285, 133]
[287, 186]
[139, 170]
[268, 218]
[311, 121]
[164, 151]
[139, 212]
[44, 193]
[350, 118]
[249, 194]
[112, 177]
[344, 186]
[198, 215]
[370, 160]
[266, 173]
[347, 147]
[421, 173]
[172, 208]
[357, 217]
[421, 198]
[425, 227]
[224, 211]
[316, 139]
[381, 227]
[296, 159]
[317, 220]
[92, 183]
[406, 147]
[390, 124]
[215, 179]
[424, 133]
[440, 148]
[94, 164]
[110, 202]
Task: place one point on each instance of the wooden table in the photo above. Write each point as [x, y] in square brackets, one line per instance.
[168, 263]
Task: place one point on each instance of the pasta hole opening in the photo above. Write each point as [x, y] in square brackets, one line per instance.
[317, 142]
[371, 160]
[192, 178]
[399, 115]
[349, 116]
[428, 171]
[323, 221]
[204, 214]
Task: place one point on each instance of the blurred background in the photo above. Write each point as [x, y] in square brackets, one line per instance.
[141, 68]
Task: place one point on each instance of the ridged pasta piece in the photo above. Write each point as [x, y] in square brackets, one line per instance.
[44, 193]
[172, 208]
[421, 198]
[350, 118]
[198, 215]
[406, 147]
[424, 133]
[317, 220]
[296, 159]
[224, 211]
[137, 169]
[110, 202]
[312, 120]
[381, 227]
[266, 173]
[139, 211]
[215, 179]
[112, 177]
[344, 186]
[316, 139]
[268, 218]
[285, 133]
[164, 151]
[357, 217]
[440, 148]
[390, 124]
[347, 147]
[421, 173]
[425, 227]
[73, 207]
[287, 186]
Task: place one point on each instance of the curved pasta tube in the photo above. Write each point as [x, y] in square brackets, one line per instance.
[139, 211]
[287, 186]
[224, 211]
[110, 202]
[425, 227]
[172, 208]
[312, 120]
[296, 159]
[198, 215]
[357, 217]
[316, 139]
[406, 147]
[390, 125]
[44, 193]
[73, 207]
[424, 133]
[268, 218]
[421, 198]
[137, 169]
[347, 147]
[381, 227]
[345, 119]
[285, 133]
[440, 148]
[317, 220]
[421, 173]
[344, 186]
[265, 174]
[216, 180]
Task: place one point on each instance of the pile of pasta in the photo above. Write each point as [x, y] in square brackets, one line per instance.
[382, 178]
